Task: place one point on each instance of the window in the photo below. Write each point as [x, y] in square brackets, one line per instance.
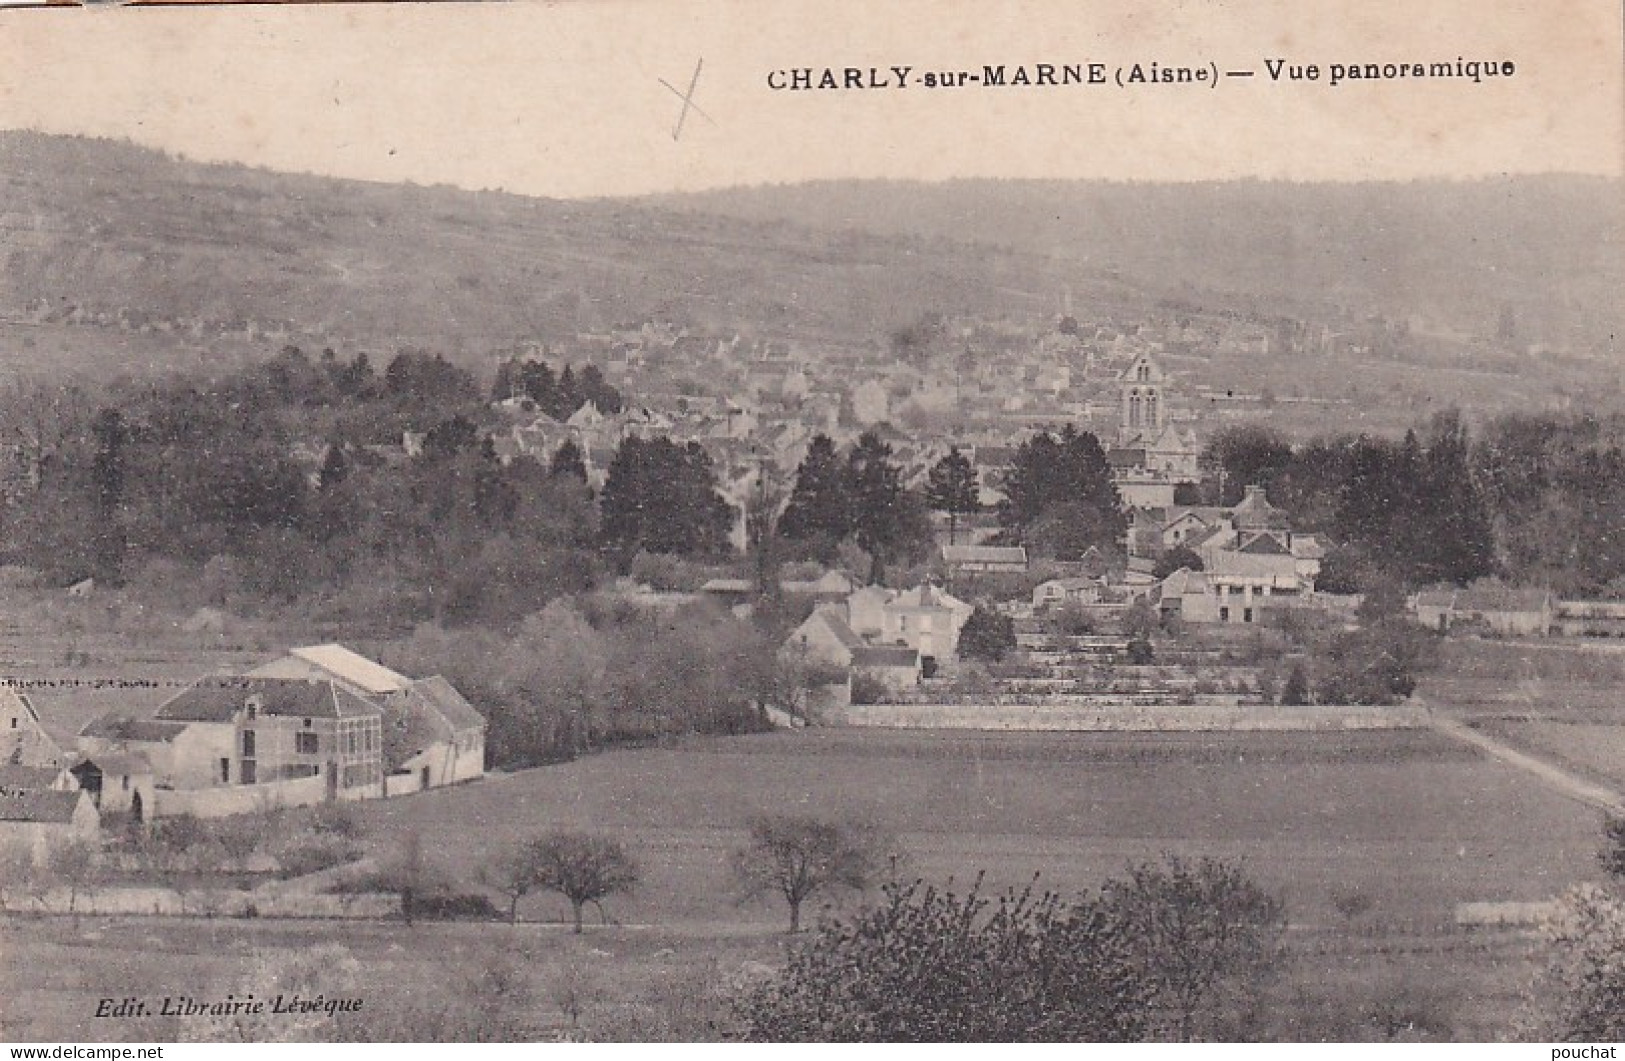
[225, 771]
[248, 744]
[13, 721]
[1246, 615]
[248, 772]
[305, 743]
[1224, 615]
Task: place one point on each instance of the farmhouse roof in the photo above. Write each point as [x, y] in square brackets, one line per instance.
[1228, 562]
[353, 667]
[219, 700]
[727, 585]
[1208, 514]
[1264, 544]
[123, 727]
[121, 764]
[32, 805]
[438, 695]
[1071, 582]
[17, 776]
[885, 656]
[925, 595]
[1184, 582]
[837, 625]
[1254, 510]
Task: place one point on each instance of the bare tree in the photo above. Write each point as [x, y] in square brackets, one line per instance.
[797, 857]
[76, 865]
[406, 874]
[583, 868]
[16, 873]
[513, 873]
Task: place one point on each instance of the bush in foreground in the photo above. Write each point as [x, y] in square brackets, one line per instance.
[929, 965]
[1174, 950]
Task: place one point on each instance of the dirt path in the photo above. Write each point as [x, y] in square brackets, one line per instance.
[1558, 778]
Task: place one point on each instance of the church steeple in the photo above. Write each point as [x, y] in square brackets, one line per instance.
[1143, 411]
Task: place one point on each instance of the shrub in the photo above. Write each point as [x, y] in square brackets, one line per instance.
[1612, 855]
[928, 965]
[1073, 620]
[987, 636]
[1206, 940]
[312, 854]
[1296, 691]
[1581, 994]
[867, 689]
[457, 906]
[336, 819]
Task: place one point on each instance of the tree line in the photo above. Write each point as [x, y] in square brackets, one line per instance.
[1534, 499]
[154, 484]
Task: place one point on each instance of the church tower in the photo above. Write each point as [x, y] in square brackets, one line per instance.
[1143, 413]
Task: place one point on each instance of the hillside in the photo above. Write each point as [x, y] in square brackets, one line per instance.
[109, 227]
[1455, 254]
[119, 257]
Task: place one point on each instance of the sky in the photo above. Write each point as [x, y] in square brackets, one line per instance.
[568, 99]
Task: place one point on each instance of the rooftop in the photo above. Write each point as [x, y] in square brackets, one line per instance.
[220, 699]
[352, 667]
[33, 805]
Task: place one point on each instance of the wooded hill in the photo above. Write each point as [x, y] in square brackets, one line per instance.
[116, 254]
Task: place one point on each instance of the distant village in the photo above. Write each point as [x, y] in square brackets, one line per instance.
[322, 723]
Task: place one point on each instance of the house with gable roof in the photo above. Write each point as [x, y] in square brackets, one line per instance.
[42, 820]
[1507, 611]
[172, 751]
[23, 739]
[926, 619]
[282, 729]
[431, 732]
[433, 735]
[824, 637]
[119, 782]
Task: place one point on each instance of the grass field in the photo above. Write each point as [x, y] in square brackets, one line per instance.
[1406, 821]
[650, 984]
[1596, 750]
[1570, 680]
[1413, 821]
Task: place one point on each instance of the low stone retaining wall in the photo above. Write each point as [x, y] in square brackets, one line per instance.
[1129, 718]
[211, 902]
